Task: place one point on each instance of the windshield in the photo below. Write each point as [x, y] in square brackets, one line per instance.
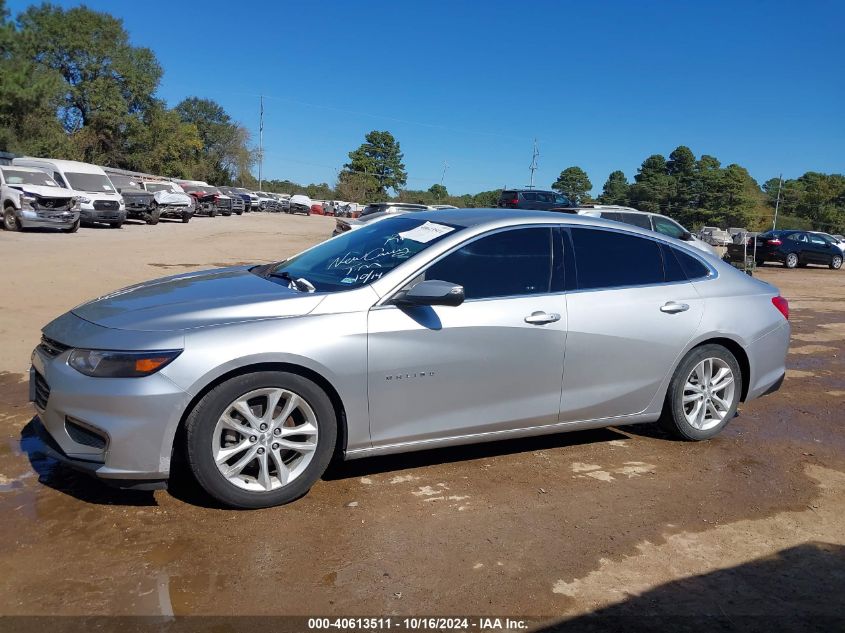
[123, 182]
[358, 258]
[157, 186]
[97, 183]
[17, 177]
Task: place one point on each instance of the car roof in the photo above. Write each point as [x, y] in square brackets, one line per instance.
[64, 165]
[478, 217]
[23, 168]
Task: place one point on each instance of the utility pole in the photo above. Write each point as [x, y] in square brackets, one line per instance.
[777, 203]
[260, 142]
[443, 175]
[533, 166]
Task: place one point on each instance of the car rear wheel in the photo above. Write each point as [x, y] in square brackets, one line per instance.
[791, 260]
[836, 262]
[261, 439]
[703, 395]
[10, 220]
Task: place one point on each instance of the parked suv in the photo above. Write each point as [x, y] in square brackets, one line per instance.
[29, 198]
[99, 202]
[140, 204]
[645, 220]
[240, 199]
[793, 249]
[533, 199]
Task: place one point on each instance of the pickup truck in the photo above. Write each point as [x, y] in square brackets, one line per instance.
[140, 204]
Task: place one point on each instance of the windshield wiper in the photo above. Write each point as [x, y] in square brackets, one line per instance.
[301, 284]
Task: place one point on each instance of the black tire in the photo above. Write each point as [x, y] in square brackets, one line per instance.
[199, 433]
[73, 227]
[239, 213]
[116, 225]
[791, 261]
[673, 418]
[212, 213]
[10, 220]
[154, 216]
[186, 217]
[835, 262]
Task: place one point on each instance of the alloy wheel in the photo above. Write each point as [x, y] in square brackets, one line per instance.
[708, 393]
[265, 439]
[836, 262]
[791, 260]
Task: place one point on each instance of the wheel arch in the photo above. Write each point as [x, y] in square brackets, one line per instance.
[739, 353]
[293, 368]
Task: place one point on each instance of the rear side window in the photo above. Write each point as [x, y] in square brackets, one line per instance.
[509, 263]
[679, 265]
[636, 219]
[607, 259]
[668, 227]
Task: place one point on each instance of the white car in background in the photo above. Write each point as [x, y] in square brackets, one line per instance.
[30, 198]
[646, 220]
[171, 199]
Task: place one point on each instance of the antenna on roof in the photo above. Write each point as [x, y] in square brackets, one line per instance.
[533, 166]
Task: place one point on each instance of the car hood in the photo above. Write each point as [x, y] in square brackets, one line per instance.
[43, 191]
[172, 197]
[200, 299]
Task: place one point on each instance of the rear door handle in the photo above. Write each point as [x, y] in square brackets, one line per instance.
[540, 318]
[671, 307]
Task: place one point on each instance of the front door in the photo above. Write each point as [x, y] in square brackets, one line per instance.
[493, 363]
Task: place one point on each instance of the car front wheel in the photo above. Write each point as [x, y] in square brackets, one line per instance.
[703, 395]
[261, 439]
[836, 262]
[10, 220]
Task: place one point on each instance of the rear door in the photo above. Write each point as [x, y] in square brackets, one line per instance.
[628, 321]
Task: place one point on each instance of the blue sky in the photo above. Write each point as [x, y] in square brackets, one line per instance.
[599, 84]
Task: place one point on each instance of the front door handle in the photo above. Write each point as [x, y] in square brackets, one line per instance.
[540, 318]
[672, 307]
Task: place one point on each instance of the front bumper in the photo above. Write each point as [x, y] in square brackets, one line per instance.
[175, 211]
[136, 417]
[31, 219]
[93, 215]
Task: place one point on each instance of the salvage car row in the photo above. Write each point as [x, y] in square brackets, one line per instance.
[65, 194]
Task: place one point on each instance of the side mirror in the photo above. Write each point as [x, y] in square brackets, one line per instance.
[686, 236]
[432, 293]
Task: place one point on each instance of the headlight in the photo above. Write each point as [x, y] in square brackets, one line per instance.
[84, 200]
[75, 204]
[27, 201]
[107, 364]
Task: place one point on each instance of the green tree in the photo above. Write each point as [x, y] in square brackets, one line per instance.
[574, 183]
[681, 167]
[653, 186]
[379, 158]
[225, 153]
[615, 190]
[438, 191]
[106, 83]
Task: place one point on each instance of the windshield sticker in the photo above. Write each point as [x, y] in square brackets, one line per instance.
[424, 233]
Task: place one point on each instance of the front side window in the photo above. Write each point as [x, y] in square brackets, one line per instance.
[357, 258]
[668, 227]
[509, 263]
[818, 240]
[607, 259]
[562, 200]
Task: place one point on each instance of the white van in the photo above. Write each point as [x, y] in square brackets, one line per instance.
[99, 200]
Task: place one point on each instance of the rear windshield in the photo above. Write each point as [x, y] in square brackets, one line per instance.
[96, 183]
[507, 195]
[17, 177]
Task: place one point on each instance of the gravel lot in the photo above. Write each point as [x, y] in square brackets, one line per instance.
[624, 520]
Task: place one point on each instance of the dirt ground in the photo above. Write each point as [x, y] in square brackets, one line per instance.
[614, 521]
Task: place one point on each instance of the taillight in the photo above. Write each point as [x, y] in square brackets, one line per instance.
[782, 305]
[514, 202]
[774, 242]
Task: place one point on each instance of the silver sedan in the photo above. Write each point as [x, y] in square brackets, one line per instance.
[425, 330]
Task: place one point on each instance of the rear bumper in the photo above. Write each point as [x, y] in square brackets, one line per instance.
[767, 358]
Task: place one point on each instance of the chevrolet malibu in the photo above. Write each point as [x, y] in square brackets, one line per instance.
[420, 331]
